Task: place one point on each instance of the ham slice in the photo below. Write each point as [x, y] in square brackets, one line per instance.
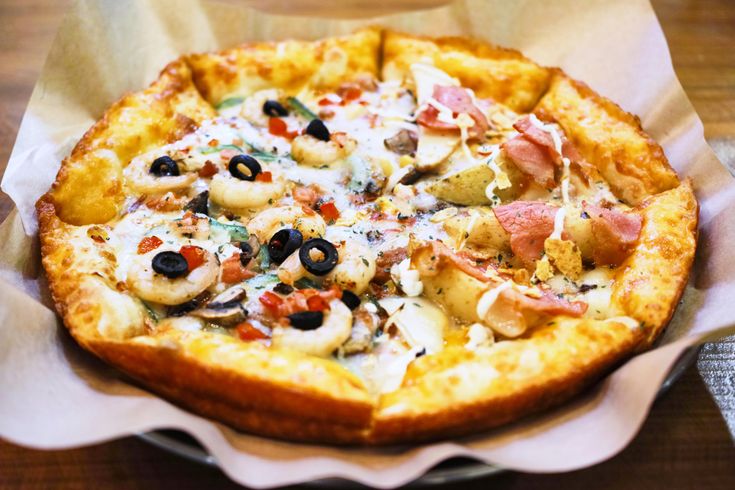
[615, 233]
[534, 153]
[529, 224]
[512, 303]
[458, 100]
[548, 304]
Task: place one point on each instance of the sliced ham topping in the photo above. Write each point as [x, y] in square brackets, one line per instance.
[459, 101]
[442, 255]
[531, 159]
[529, 224]
[534, 153]
[548, 304]
[614, 233]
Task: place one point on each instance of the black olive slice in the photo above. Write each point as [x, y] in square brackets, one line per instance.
[327, 262]
[164, 166]
[246, 253]
[283, 243]
[250, 163]
[199, 204]
[306, 320]
[283, 288]
[318, 130]
[350, 299]
[170, 264]
[273, 108]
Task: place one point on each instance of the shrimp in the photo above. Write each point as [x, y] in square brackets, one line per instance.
[140, 179]
[335, 330]
[355, 269]
[266, 223]
[151, 286]
[252, 107]
[229, 192]
[311, 151]
[291, 269]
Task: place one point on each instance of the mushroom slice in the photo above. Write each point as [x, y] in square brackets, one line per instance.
[364, 325]
[231, 295]
[223, 314]
[225, 309]
[403, 142]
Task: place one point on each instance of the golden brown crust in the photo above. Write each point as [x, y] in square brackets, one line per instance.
[504, 75]
[461, 392]
[289, 65]
[88, 188]
[608, 137]
[293, 396]
[652, 279]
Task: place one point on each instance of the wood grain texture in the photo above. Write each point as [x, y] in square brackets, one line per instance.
[685, 442]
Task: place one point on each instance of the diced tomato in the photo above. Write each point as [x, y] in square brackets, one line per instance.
[213, 142]
[149, 243]
[264, 177]
[194, 256]
[349, 92]
[233, 271]
[329, 211]
[271, 301]
[317, 303]
[208, 170]
[325, 101]
[278, 127]
[247, 332]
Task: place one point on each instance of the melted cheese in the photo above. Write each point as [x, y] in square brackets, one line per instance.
[487, 300]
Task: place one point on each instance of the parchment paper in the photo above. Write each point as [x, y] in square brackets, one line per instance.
[53, 395]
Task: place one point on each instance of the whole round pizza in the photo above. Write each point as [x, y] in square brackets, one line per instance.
[370, 239]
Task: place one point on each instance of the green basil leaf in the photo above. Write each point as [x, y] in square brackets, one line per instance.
[299, 107]
[229, 102]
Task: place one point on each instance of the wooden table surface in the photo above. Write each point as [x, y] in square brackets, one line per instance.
[685, 443]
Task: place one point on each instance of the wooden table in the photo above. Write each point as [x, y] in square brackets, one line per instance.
[685, 443]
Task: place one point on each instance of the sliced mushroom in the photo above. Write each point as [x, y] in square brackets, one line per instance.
[404, 142]
[411, 177]
[184, 308]
[231, 295]
[364, 325]
[199, 204]
[224, 314]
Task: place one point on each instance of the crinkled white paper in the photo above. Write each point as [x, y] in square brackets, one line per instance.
[54, 395]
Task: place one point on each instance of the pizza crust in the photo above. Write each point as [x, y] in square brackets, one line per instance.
[88, 187]
[297, 397]
[608, 137]
[288, 65]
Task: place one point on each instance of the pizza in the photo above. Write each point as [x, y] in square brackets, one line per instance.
[377, 238]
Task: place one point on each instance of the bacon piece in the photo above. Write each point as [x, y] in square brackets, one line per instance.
[385, 261]
[306, 195]
[459, 101]
[529, 224]
[614, 233]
